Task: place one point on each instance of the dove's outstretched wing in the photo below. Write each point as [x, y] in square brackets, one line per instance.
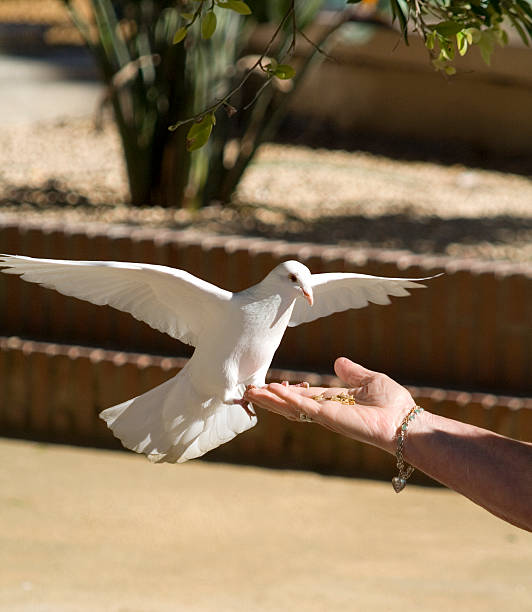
[338, 291]
[169, 300]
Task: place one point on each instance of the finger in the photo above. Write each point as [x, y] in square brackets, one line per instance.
[267, 400]
[296, 400]
[352, 373]
[308, 391]
[273, 403]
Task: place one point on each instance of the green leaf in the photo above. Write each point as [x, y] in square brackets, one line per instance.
[187, 16]
[520, 30]
[235, 5]
[448, 28]
[446, 49]
[179, 35]
[450, 70]
[208, 25]
[402, 18]
[526, 6]
[501, 37]
[473, 35]
[284, 71]
[439, 64]
[199, 133]
[485, 44]
[504, 37]
[461, 43]
[486, 54]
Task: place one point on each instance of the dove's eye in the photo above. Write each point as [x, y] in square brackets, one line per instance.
[293, 278]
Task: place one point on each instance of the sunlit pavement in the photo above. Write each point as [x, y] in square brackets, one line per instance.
[93, 530]
[47, 87]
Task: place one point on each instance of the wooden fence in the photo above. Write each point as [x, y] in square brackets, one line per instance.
[55, 392]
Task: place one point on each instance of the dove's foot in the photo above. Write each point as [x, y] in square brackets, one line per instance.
[248, 407]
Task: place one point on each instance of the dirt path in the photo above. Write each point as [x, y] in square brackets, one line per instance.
[88, 530]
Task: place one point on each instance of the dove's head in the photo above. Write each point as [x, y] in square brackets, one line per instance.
[296, 276]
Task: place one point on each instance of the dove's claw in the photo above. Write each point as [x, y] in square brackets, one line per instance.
[247, 407]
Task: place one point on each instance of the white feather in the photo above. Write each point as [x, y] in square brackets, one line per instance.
[335, 292]
[169, 300]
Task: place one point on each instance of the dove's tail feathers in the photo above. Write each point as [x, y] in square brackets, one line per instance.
[173, 423]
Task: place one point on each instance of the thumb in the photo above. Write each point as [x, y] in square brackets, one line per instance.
[352, 373]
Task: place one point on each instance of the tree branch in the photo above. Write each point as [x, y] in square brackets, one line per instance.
[258, 64]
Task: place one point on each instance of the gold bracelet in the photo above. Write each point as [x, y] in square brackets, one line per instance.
[405, 470]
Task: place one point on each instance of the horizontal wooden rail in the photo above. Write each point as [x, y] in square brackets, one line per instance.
[54, 392]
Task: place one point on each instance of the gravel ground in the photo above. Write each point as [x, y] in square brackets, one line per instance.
[68, 169]
[49, 12]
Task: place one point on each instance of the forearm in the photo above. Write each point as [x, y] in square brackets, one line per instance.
[491, 470]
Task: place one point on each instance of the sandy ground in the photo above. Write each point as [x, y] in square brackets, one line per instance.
[89, 530]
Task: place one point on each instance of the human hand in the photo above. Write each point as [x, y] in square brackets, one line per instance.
[381, 404]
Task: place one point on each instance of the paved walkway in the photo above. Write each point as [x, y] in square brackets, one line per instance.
[95, 531]
[53, 85]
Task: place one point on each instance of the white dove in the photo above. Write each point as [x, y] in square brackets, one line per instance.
[235, 336]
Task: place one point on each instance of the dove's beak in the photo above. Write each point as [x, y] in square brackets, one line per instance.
[307, 292]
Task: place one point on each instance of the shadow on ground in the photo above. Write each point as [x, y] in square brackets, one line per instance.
[398, 231]
[423, 234]
[26, 41]
[314, 133]
[52, 193]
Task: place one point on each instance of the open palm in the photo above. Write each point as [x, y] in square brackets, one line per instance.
[380, 404]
